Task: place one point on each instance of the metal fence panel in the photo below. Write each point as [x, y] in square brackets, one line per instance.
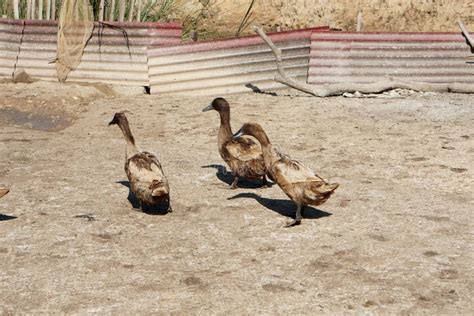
[369, 57]
[227, 66]
[10, 36]
[116, 52]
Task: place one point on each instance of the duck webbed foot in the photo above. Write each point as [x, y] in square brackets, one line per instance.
[233, 186]
[293, 223]
[298, 216]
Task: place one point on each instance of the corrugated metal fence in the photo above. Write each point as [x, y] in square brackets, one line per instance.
[368, 57]
[116, 52]
[10, 37]
[147, 54]
[228, 66]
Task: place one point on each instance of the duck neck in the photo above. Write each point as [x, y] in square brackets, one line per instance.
[267, 148]
[225, 131]
[132, 149]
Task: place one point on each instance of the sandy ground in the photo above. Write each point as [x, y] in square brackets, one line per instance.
[396, 236]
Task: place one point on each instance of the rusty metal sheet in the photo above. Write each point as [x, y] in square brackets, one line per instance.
[369, 57]
[228, 66]
[10, 37]
[116, 52]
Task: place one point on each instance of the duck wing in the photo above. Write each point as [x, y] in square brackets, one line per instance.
[244, 148]
[145, 168]
[293, 171]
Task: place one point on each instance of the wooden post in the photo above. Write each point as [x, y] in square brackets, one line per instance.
[130, 12]
[101, 10]
[28, 9]
[40, 9]
[121, 10]
[16, 11]
[53, 10]
[359, 21]
[48, 9]
[112, 9]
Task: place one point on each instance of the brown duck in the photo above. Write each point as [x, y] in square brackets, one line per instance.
[299, 182]
[144, 171]
[242, 154]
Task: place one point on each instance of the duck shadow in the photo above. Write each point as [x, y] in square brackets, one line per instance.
[283, 207]
[159, 209]
[4, 217]
[227, 177]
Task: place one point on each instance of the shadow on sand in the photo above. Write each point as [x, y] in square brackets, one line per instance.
[160, 209]
[227, 177]
[284, 207]
[4, 217]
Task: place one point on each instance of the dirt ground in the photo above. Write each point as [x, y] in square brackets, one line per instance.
[397, 236]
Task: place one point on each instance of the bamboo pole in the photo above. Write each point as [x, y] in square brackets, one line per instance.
[130, 12]
[5, 9]
[139, 13]
[16, 11]
[101, 10]
[33, 8]
[48, 9]
[28, 9]
[53, 10]
[40, 9]
[121, 10]
[112, 7]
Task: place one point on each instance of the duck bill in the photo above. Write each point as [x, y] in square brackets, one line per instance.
[238, 134]
[208, 108]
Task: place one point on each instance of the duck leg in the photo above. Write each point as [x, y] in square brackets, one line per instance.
[298, 216]
[234, 183]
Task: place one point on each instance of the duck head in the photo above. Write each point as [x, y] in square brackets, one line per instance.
[218, 104]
